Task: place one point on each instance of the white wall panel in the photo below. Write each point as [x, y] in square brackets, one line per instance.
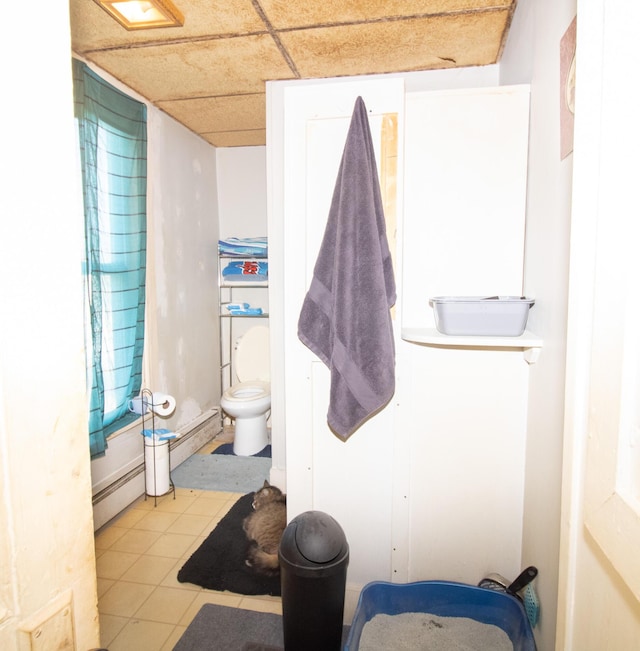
[465, 190]
[432, 487]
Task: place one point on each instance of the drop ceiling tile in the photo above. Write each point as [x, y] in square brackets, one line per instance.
[397, 46]
[209, 75]
[237, 138]
[208, 114]
[187, 70]
[92, 28]
[284, 14]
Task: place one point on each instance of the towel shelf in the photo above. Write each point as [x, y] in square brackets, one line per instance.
[234, 291]
[529, 343]
[244, 283]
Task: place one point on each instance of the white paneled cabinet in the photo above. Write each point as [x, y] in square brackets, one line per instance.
[432, 486]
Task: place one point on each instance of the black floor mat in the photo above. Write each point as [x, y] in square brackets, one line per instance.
[219, 563]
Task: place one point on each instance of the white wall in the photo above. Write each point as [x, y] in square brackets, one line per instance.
[242, 191]
[532, 55]
[46, 545]
[183, 238]
[462, 411]
[242, 208]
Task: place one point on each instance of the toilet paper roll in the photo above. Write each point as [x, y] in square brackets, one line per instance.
[162, 404]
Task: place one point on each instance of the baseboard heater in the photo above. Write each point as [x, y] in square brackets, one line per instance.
[112, 499]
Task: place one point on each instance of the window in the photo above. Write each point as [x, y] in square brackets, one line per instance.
[113, 152]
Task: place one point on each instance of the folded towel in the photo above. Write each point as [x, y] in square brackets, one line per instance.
[249, 270]
[345, 318]
[159, 435]
[256, 246]
[245, 311]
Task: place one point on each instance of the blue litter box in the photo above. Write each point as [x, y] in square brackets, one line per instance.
[445, 599]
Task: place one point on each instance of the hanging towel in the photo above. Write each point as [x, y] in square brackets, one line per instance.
[345, 318]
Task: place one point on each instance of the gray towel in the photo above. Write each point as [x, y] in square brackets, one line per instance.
[345, 318]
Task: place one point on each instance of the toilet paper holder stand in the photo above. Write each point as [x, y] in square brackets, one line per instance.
[156, 454]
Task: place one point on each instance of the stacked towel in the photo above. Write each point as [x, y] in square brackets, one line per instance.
[244, 246]
[345, 318]
[247, 270]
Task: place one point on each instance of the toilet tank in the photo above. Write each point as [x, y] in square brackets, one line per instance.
[252, 359]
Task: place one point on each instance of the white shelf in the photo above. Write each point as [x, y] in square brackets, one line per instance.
[529, 343]
[231, 284]
[228, 289]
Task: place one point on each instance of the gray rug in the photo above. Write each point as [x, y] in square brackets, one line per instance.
[219, 628]
[219, 472]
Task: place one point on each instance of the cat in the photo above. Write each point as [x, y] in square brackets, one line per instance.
[264, 527]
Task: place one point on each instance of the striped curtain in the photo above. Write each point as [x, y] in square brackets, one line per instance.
[113, 149]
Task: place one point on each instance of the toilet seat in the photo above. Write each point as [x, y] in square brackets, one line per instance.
[251, 390]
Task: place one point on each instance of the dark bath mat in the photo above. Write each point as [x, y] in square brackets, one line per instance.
[219, 563]
[227, 448]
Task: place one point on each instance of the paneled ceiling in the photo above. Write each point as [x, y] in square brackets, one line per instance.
[210, 74]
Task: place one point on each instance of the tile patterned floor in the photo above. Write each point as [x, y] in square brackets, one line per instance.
[142, 605]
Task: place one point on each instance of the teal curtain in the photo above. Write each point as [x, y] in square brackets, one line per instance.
[113, 149]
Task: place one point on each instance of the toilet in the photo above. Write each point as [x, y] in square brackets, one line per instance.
[249, 400]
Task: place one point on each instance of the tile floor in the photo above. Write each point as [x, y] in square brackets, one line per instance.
[142, 605]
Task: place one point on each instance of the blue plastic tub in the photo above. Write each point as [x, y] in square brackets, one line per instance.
[445, 599]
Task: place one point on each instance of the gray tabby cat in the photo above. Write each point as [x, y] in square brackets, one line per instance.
[264, 529]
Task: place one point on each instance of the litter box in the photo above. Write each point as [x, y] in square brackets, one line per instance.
[445, 599]
[492, 316]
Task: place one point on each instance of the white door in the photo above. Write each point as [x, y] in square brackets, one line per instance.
[349, 480]
[599, 597]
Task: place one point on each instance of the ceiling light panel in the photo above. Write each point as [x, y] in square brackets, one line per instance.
[143, 14]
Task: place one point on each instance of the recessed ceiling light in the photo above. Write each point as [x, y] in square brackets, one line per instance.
[143, 14]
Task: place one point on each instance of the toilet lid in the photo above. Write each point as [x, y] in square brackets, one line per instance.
[252, 360]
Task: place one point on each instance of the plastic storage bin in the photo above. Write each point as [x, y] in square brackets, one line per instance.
[493, 316]
[445, 599]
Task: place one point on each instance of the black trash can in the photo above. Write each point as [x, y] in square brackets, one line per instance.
[314, 555]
